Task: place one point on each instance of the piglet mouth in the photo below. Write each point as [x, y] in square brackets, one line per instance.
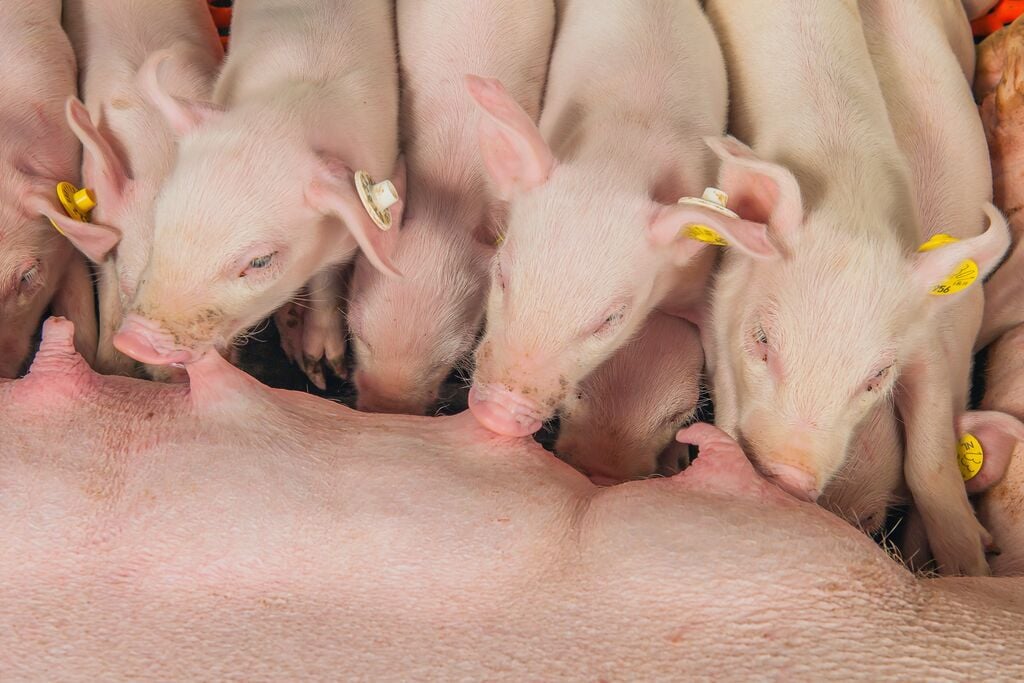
[505, 412]
[147, 342]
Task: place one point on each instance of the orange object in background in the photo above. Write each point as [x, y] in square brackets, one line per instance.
[1000, 15]
[221, 12]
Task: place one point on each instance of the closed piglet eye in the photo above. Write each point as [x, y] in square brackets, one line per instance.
[878, 379]
[612, 319]
[501, 268]
[759, 345]
[258, 264]
[30, 278]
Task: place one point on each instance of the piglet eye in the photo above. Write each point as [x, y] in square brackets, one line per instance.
[259, 263]
[760, 336]
[878, 378]
[29, 277]
[612, 320]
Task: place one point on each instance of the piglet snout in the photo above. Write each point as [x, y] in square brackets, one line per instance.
[504, 412]
[147, 342]
[795, 481]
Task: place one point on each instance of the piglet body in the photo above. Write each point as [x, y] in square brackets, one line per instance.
[595, 239]
[263, 196]
[807, 343]
[129, 148]
[410, 332]
[622, 422]
[38, 267]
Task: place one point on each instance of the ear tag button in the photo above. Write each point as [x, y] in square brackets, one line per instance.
[77, 203]
[961, 278]
[715, 200]
[969, 456]
[377, 198]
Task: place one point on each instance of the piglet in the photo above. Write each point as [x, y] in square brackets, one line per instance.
[595, 239]
[849, 312]
[38, 267]
[264, 195]
[622, 421]
[409, 333]
[129, 149]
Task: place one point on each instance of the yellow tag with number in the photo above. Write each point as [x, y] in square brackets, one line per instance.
[969, 456]
[961, 278]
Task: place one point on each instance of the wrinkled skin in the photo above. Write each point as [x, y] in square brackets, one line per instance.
[129, 148]
[406, 548]
[1000, 89]
[842, 319]
[409, 333]
[262, 196]
[622, 423]
[595, 239]
[1001, 507]
[38, 267]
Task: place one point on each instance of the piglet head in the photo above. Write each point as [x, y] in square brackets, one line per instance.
[409, 333]
[814, 338]
[581, 266]
[248, 215]
[625, 415]
[34, 261]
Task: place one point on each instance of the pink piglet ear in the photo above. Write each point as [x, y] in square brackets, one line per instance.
[94, 240]
[333, 193]
[105, 171]
[998, 433]
[669, 228]
[759, 190]
[184, 116]
[515, 154]
[932, 268]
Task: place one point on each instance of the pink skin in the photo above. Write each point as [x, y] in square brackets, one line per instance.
[795, 386]
[408, 334]
[1001, 92]
[622, 423]
[1001, 507]
[595, 238]
[871, 480]
[232, 518]
[128, 157]
[38, 267]
[262, 196]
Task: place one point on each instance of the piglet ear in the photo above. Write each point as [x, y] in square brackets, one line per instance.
[669, 227]
[94, 240]
[998, 434]
[758, 190]
[944, 267]
[333, 193]
[106, 173]
[515, 154]
[184, 116]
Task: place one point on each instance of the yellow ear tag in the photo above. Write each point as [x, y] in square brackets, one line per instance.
[713, 199]
[969, 456]
[377, 198]
[77, 203]
[961, 278]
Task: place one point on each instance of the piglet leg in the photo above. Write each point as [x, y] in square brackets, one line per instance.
[314, 331]
[956, 538]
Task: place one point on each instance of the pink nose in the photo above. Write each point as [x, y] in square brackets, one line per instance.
[504, 412]
[795, 481]
[147, 343]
